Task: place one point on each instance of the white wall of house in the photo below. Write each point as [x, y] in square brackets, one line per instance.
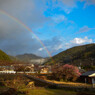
[8, 72]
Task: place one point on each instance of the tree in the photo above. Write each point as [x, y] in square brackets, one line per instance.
[70, 71]
[66, 72]
[19, 68]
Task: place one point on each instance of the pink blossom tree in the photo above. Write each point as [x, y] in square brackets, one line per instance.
[70, 71]
[67, 72]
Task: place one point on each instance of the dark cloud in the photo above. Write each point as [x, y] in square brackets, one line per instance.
[14, 39]
[30, 12]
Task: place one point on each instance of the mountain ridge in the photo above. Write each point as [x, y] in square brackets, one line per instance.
[76, 55]
[31, 58]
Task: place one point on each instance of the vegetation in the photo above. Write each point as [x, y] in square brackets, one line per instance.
[65, 72]
[43, 91]
[27, 57]
[17, 84]
[4, 56]
[79, 55]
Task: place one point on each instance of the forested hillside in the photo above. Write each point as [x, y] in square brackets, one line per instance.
[4, 56]
[79, 55]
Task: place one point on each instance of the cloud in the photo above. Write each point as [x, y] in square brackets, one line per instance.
[14, 39]
[53, 45]
[78, 41]
[73, 3]
[59, 18]
[85, 29]
[40, 49]
[69, 5]
[88, 2]
[81, 40]
[30, 12]
[66, 5]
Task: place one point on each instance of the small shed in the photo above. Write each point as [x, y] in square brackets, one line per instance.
[88, 77]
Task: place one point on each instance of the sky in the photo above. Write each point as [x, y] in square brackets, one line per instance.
[58, 24]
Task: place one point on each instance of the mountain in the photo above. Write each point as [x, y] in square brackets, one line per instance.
[4, 56]
[79, 55]
[31, 58]
[13, 58]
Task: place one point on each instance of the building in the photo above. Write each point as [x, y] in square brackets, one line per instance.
[30, 68]
[45, 69]
[88, 77]
[7, 69]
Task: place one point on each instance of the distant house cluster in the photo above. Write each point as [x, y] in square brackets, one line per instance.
[25, 68]
[7, 69]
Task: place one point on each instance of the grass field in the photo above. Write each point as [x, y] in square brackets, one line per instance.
[43, 91]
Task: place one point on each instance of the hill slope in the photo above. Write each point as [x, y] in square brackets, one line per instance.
[31, 58]
[83, 55]
[4, 56]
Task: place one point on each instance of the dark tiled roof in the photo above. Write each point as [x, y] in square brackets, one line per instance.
[88, 73]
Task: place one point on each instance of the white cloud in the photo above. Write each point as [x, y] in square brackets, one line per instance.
[81, 40]
[78, 41]
[40, 49]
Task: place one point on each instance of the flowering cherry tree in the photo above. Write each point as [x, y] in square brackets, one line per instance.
[67, 72]
[70, 71]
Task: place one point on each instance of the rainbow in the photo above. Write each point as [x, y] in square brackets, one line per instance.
[26, 27]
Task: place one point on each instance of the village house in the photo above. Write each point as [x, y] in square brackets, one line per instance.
[30, 68]
[45, 69]
[7, 69]
[88, 77]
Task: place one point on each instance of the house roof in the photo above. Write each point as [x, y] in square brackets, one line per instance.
[89, 73]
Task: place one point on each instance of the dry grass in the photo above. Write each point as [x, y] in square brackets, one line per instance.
[43, 91]
[70, 83]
